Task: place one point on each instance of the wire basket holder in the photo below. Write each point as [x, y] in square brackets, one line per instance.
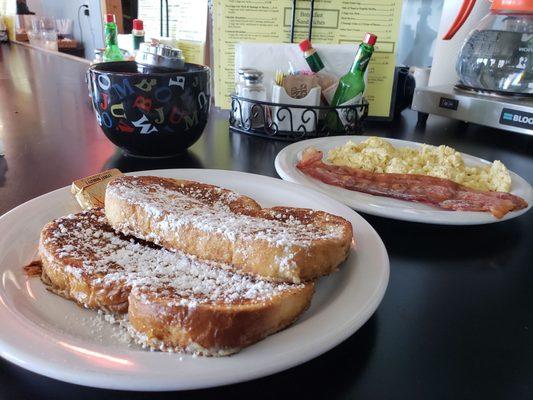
[276, 120]
[292, 122]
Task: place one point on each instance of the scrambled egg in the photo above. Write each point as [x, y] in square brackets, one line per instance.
[378, 155]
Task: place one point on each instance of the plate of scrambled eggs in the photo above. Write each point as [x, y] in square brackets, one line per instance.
[384, 155]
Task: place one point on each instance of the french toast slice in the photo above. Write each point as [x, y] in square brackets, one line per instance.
[280, 244]
[174, 301]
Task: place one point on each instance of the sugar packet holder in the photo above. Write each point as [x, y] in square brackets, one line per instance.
[290, 118]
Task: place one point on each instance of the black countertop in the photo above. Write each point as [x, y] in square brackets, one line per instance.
[456, 320]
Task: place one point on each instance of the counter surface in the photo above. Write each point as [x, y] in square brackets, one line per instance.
[456, 321]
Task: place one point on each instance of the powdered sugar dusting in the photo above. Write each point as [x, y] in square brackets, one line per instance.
[130, 336]
[174, 207]
[91, 248]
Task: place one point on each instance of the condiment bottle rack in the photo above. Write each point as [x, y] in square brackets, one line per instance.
[255, 117]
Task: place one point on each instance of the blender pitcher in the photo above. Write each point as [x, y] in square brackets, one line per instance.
[497, 56]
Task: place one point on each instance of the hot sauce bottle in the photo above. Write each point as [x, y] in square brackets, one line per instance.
[311, 56]
[352, 85]
[112, 51]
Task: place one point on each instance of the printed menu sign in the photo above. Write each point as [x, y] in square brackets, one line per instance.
[334, 22]
[187, 25]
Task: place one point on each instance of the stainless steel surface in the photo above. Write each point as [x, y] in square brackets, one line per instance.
[242, 70]
[481, 109]
[160, 56]
[252, 76]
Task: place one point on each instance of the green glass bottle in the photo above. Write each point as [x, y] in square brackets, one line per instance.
[351, 86]
[112, 51]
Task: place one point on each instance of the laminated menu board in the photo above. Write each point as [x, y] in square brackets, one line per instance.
[334, 22]
[187, 25]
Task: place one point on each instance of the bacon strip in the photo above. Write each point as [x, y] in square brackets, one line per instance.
[441, 193]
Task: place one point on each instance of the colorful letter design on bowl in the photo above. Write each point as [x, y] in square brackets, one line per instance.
[156, 114]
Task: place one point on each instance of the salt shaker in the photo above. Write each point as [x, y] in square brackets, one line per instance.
[238, 90]
[240, 79]
[253, 89]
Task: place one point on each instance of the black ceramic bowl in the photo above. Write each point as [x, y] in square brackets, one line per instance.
[150, 114]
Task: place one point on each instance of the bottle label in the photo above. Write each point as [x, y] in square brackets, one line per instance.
[111, 38]
[349, 116]
[362, 58]
[315, 62]
[363, 63]
[110, 35]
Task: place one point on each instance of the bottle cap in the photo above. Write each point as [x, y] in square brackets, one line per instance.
[109, 18]
[242, 70]
[138, 24]
[253, 76]
[370, 39]
[305, 45]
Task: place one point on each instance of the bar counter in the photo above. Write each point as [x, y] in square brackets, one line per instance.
[456, 320]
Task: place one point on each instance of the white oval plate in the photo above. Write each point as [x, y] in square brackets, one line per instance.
[287, 159]
[52, 336]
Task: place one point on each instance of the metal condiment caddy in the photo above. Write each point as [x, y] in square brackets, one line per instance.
[291, 122]
[256, 117]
